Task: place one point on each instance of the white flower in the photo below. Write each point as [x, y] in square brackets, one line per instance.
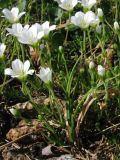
[91, 18]
[116, 26]
[99, 29]
[79, 20]
[17, 29]
[60, 48]
[47, 28]
[99, 13]
[19, 69]
[101, 70]
[68, 4]
[2, 49]
[45, 74]
[88, 3]
[84, 20]
[12, 15]
[31, 35]
[91, 65]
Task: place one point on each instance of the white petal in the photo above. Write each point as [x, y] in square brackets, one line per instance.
[17, 65]
[2, 48]
[26, 26]
[7, 14]
[74, 2]
[15, 76]
[10, 30]
[30, 72]
[9, 71]
[26, 66]
[40, 35]
[24, 37]
[38, 27]
[73, 20]
[21, 14]
[45, 74]
[68, 4]
[45, 25]
[33, 30]
[15, 11]
[52, 27]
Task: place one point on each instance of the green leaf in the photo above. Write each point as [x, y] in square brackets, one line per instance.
[21, 5]
[4, 3]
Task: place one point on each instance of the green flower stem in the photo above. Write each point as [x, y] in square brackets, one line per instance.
[64, 60]
[23, 53]
[25, 89]
[42, 10]
[116, 13]
[90, 42]
[67, 32]
[70, 78]
[49, 52]
[72, 128]
[53, 100]
[106, 91]
[92, 77]
[17, 48]
[14, 49]
[84, 42]
[26, 92]
[109, 25]
[51, 93]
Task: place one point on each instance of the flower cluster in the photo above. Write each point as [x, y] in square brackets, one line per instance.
[30, 34]
[20, 70]
[87, 17]
[26, 35]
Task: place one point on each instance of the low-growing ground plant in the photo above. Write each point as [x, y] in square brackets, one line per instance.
[68, 51]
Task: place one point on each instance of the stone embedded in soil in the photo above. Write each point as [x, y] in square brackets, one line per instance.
[63, 157]
[7, 154]
[23, 128]
[66, 157]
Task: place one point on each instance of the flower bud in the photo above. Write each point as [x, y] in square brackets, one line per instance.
[91, 65]
[101, 70]
[116, 26]
[99, 29]
[45, 74]
[100, 12]
[60, 48]
[2, 49]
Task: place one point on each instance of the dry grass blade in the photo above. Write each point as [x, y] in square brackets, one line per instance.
[82, 114]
